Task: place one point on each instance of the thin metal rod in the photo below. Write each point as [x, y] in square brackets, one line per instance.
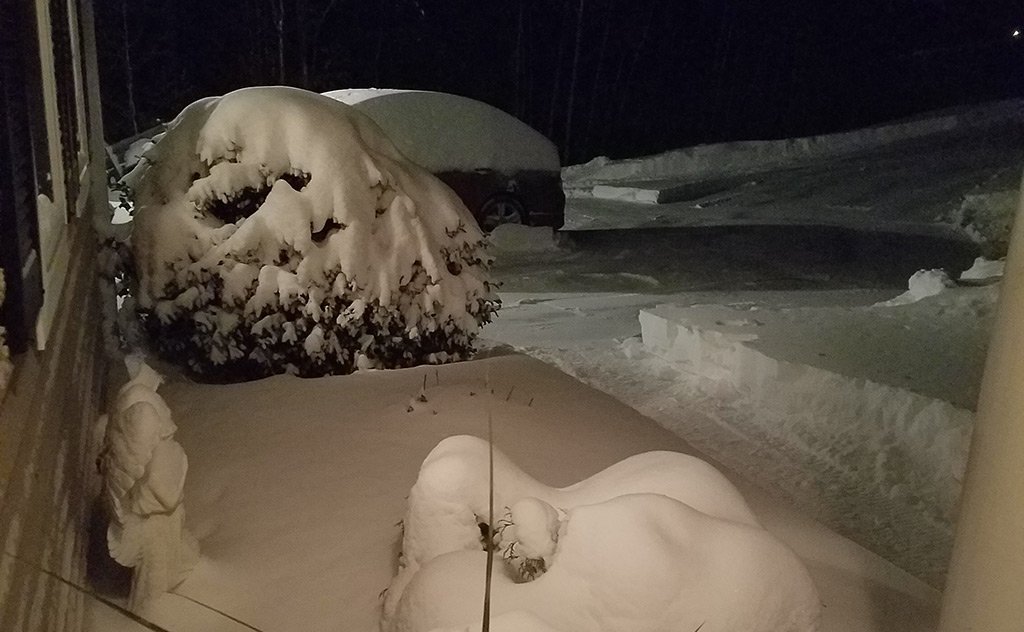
[490, 521]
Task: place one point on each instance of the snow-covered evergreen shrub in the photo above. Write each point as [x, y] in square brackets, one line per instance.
[5, 362]
[279, 230]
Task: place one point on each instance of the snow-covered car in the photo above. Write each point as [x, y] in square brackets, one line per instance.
[504, 170]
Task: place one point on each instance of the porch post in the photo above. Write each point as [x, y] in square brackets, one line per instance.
[985, 586]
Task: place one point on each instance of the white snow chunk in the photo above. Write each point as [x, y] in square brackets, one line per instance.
[922, 284]
[984, 270]
[534, 527]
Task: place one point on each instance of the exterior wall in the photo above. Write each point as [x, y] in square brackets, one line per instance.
[46, 446]
[47, 416]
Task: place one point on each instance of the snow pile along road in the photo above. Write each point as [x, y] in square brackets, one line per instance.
[884, 392]
[747, 156]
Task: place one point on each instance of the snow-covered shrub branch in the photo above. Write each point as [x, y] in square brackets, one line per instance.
[143, 470]
[279, 230]
[5, 362]
[659, 542]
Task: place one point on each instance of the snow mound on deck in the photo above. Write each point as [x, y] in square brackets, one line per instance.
[622, 551]
[280, 230]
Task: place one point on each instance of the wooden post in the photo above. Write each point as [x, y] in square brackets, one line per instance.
[985, 586]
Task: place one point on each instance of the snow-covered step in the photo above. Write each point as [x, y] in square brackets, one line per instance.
[895, 385]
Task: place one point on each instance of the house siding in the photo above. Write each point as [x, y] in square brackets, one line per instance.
[47, 477]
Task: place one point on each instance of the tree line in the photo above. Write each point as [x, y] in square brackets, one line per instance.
[611, 77]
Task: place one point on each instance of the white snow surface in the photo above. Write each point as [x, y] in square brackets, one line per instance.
[296, 489]
[922, 284]
[666, 517]
[447, 132]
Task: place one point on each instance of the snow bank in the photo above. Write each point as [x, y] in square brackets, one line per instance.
[144, 471]
[657, 542]
[745, 156]
[889, 389]
[5, 361]
[446, 132]
[280, 230]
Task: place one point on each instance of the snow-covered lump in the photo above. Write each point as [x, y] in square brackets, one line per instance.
[144, 471]
[660, 541]
[280, 230]
[634, 563]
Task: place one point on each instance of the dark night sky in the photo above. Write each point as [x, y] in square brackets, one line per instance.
[649, 75]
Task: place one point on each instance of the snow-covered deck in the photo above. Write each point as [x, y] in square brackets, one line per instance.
[296, 488]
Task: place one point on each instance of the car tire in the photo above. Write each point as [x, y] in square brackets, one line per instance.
[501, 208]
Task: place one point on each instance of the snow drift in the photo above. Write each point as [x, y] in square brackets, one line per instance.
[280, 230]
[660, 541]
[144, 471]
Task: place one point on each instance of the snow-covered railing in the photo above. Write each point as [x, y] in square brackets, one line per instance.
[143, 470]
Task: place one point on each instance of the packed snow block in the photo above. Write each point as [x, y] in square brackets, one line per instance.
[278, 230]
[144, 470]
[660, 541]
[890, 387]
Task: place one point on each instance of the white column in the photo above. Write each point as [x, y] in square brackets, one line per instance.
[985, 587]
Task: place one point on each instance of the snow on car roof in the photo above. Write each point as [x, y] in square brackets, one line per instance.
[447, 132]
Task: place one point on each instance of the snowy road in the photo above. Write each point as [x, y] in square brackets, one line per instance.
[912, 186]
[669, 260]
